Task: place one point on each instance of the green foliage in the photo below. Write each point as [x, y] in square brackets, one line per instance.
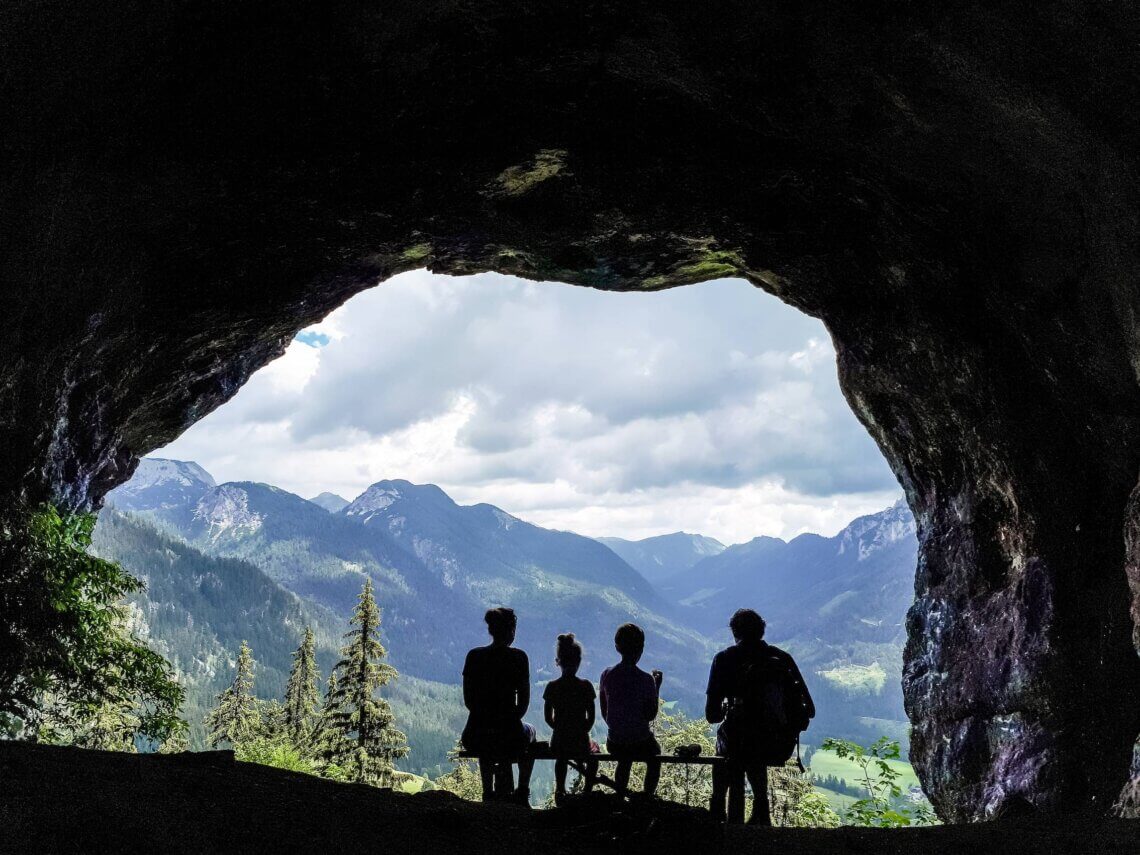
[792, 799]
[883, 805]
[687, 785]
[358, 729]
[197, 609]
[794, 803]
[301, 695]
[277, 751]
[236, 717]
[71, 667]
[463, 779]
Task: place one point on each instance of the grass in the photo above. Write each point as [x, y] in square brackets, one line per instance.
[839, 802]
[857, 679]
[824, 763]
[411, 784]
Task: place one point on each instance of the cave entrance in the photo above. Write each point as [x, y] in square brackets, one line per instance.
[712, 410]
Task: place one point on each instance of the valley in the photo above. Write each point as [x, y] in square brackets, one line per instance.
[234, 561]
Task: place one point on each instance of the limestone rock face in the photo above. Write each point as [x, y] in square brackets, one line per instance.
[951, 188]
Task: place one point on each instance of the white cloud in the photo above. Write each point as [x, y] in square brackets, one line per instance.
[711, 408]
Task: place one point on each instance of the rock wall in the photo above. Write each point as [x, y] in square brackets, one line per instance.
[952, 188]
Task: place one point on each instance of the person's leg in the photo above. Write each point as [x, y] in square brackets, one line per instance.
[526, 764]
[591, 774]
[487, 778]
[621, 776]
[504, 779]
[735, 793]
[652, 776]
[761, 811]
[560, 767]
[719, 791]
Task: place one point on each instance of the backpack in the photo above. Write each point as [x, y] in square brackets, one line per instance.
[770, 709]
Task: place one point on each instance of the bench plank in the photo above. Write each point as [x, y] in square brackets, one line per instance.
[702, 760]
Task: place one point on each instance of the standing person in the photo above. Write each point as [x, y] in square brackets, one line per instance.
[758, 696]
[496, 691]
[570, 714]
[628, 698]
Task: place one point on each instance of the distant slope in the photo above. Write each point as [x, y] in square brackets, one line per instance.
[437, 566]
[331, 502]
[837, 603]
[197, 610]
[658, 558]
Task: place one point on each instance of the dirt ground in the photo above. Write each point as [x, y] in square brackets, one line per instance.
[68, 800]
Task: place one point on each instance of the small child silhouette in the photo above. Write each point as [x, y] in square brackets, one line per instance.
[570, 713]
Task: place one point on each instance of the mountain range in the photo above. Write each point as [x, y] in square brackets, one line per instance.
[658, 558]
[251, 560]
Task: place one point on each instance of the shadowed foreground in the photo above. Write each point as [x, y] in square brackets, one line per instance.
[71, 800]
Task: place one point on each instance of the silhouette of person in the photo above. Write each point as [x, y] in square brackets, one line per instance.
[496, 691]
[739, 740]
[570, 713]
[628, 698]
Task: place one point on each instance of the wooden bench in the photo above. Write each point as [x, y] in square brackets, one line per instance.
[578, 764]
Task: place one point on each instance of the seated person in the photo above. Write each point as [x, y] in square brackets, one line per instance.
[570, 714]
[628, 698]
[496, 691]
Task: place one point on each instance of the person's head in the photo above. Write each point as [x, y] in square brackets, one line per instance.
[568, 654]
[501, 623]
[747, 626]
[630, 642]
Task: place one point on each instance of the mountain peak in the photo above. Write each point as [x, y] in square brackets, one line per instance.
[876, 531]
[384, 494]
[160, 484]
[331, 502]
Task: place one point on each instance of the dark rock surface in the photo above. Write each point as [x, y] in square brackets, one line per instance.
[952, 188]
[207, 803]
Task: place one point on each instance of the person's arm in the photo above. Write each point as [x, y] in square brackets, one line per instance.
[548, 714]
[469, 690]
[714, 697]
[653, 705]
[522, 691]
[603, 699]
[590, 715]
[809, 704]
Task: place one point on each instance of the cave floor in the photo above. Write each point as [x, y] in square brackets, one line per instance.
[69, 800]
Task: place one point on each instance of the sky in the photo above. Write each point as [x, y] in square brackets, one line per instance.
[710, 408]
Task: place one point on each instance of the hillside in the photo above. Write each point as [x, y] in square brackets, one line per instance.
[197, 609]
[658, 558]
[436, 567]
[837, 603]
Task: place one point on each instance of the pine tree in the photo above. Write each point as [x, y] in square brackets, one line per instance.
[360, 735]
[301, 696]
[236, 715]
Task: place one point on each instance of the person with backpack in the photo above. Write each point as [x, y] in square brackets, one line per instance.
[758, 697]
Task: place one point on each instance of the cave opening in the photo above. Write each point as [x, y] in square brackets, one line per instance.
[712, 409]
[952, 191]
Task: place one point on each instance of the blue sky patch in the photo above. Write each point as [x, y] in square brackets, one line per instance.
[312, 338]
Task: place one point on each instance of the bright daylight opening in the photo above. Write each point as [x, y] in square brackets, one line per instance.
[443, 437]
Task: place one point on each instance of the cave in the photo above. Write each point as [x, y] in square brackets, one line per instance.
[952, 190]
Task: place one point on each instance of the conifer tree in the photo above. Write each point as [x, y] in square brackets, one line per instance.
[301, 696]
[361, 737]
[236, 715]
